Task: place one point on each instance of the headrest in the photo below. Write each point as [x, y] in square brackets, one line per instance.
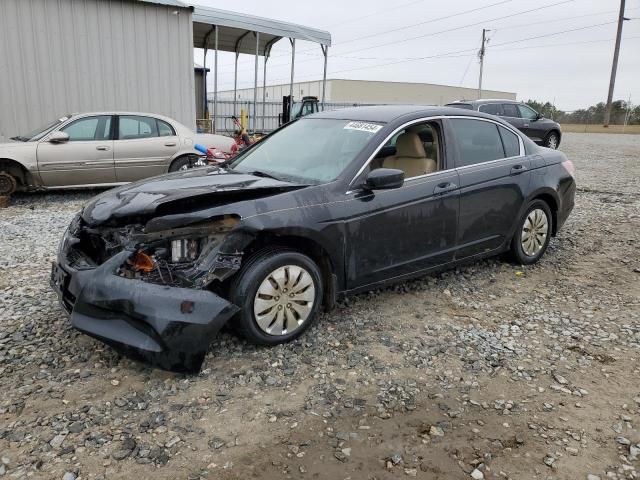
[409, 145]
[425, 134]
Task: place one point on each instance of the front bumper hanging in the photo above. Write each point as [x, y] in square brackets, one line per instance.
[169, 327]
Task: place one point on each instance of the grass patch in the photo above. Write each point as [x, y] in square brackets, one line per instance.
[577, 128]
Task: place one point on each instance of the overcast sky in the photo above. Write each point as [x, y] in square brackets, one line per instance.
[573, 67]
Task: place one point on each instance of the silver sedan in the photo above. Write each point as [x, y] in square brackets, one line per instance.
[91, 149]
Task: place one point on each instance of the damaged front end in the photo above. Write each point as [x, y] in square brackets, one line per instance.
[149, 292]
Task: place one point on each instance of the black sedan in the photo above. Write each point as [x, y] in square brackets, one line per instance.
[330, 205]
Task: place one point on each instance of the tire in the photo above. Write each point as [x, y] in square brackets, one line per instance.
[181, 164]
[267, 319]
[552, 140]
[537, 216]
[8, 184]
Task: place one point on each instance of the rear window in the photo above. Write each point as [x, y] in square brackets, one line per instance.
[466, 106]
[510, 142]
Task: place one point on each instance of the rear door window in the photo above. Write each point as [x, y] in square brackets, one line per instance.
[491, 108]
[510, 110]
[478, 141]
[135, 127]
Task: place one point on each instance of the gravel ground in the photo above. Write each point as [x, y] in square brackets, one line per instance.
[489, 371]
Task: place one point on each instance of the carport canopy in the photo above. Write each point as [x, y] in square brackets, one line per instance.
[236, 31]
[221, 30]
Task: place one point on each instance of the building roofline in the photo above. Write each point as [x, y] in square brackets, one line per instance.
[168, 3]
[370, 81]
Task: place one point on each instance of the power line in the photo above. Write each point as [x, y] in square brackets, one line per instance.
[563, 44]
[426, 22]
[468, 51]
[395, 7]
[443, 31]
[553, 34]
[405, 27]
[462, 26]
[561, 19]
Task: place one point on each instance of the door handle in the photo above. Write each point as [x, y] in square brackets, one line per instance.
[518, 169]
[170, 144]
[444, 188]
[102, 148]
[526, 125]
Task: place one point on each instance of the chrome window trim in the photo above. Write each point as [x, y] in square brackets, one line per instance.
[439, 117]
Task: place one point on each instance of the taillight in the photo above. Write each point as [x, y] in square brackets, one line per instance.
[569, 167]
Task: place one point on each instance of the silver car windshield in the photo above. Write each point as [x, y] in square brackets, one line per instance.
[38, 133]
[310, 151]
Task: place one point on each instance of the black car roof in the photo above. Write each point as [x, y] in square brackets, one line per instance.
[388, 113]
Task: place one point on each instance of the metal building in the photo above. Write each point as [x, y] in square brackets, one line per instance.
[64, 56]
[370, 92]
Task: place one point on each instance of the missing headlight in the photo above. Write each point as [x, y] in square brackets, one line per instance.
[185, 250]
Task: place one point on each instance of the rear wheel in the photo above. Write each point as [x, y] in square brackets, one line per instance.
[8, 184]
[533, 234]
[279, 293]
[183, 164]
[552, 140]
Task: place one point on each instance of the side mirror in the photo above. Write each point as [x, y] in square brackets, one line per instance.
[59, 137]
[384, 178]
[539, 116]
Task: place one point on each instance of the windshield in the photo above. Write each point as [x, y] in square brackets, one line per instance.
[310, 151]
[295, 110]
[38, 133]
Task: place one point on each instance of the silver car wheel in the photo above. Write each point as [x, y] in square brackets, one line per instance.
[284, 300]
[552, 141]
[534, 232]
[184, 167]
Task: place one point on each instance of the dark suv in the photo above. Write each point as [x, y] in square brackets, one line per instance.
[541, 130]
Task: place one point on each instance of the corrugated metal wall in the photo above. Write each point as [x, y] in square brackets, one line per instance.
[61, 56]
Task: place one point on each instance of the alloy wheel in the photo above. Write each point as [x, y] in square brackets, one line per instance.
[534, 232]
[284, 300]
[552, 141]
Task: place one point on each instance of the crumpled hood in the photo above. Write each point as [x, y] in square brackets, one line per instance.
[177, 193]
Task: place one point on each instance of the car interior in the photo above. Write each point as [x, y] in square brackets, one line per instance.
[414, 150]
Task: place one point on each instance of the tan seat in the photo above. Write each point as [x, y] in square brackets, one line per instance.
[410, 157]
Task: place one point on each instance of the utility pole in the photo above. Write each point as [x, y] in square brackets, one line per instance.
[481, 55]
[614, 67]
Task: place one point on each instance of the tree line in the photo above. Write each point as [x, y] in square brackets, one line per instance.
[591, 115]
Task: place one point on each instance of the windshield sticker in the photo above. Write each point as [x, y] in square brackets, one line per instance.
[363, 127]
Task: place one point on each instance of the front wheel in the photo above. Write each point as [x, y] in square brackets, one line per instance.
[533, 234]
[8, 184]
[552, 141]
[279, 293]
